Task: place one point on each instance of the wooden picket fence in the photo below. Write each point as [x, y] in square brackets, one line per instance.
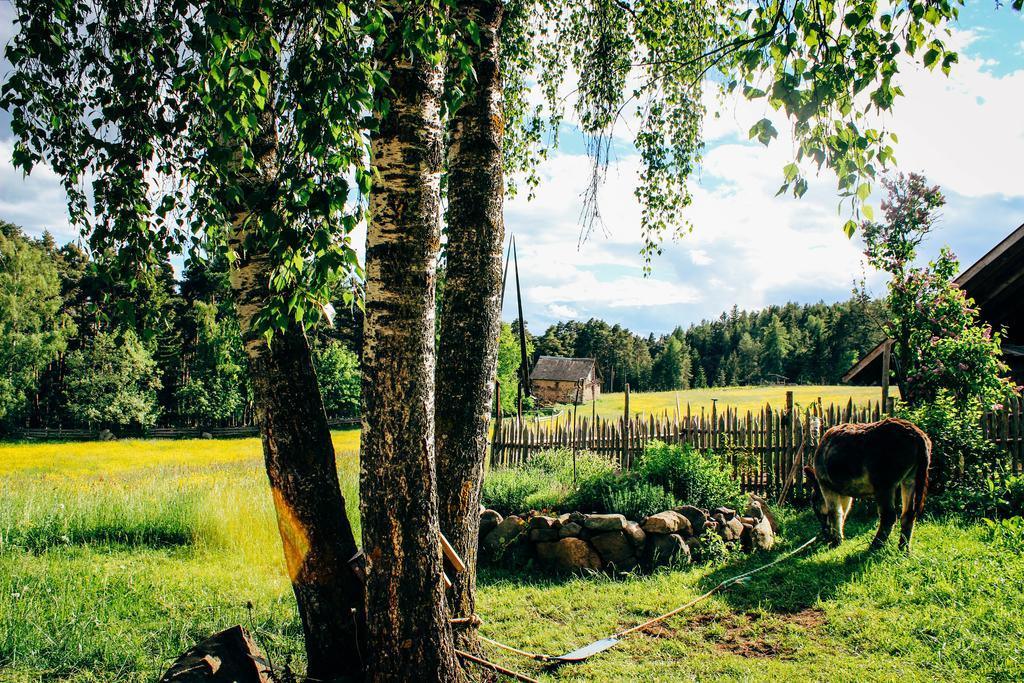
[765, 448]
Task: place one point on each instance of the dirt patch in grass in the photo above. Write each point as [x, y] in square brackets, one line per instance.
[754, 635]
[659, 631]
[805, 618]
[752, 648]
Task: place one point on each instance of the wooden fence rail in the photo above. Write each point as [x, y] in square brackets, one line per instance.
[762, 447]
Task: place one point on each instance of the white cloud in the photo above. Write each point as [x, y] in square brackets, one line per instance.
[750, 247]
[966, 132]
[628, 291]
[700, 257]
[562, 312]
[36, 202]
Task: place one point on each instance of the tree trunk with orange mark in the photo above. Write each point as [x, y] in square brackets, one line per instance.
[409, 636]
[471, 307]
[315, 531]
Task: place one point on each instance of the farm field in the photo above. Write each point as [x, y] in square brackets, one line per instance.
[742, 398]
[115, 557]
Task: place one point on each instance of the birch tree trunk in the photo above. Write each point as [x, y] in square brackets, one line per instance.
[471, 308]
[318, 541]
[409, 636]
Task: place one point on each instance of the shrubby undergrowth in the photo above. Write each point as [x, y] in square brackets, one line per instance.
[665, 476]
[695, 478]
[544, 482]
[968, 475]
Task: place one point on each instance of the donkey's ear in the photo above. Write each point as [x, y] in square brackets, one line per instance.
[811, 474]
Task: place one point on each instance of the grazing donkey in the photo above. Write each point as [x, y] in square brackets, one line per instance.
[875, 458]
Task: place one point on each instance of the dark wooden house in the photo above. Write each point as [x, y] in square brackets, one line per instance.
[996, 283]
[556, 380]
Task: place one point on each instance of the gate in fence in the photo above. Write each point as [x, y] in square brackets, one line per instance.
[762, 447]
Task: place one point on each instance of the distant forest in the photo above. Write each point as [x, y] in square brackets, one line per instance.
[80, 348]
[793, 343]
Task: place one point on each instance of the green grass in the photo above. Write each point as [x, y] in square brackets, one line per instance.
[741, 398]
[951, 611]
[114, 558]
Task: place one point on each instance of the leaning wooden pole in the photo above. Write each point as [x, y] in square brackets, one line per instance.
[524, 367]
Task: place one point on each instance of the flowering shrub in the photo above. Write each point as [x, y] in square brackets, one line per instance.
[963, 460]
[940, 344]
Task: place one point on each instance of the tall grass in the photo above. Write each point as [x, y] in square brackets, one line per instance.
[40, 517]
[546, 481]
[207, 495]
[116, 557]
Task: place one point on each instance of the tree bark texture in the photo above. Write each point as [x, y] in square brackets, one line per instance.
[316, 534]
[409, 636]
[471, 308]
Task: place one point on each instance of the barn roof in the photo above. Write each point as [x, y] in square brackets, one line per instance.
[996, 283]
[562, 369]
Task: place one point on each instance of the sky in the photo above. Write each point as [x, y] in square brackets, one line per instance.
[748, 247]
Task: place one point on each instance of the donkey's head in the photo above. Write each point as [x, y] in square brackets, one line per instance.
[818, 500]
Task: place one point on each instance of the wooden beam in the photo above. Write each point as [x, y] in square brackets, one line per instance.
[886, 360]
[864, 362]
[451, 555]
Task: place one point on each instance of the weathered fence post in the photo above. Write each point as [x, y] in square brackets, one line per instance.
[626, 464]
[790, 439]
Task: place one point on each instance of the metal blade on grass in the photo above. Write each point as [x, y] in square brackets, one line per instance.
[579, 654]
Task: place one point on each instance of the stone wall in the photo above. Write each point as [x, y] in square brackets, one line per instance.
[575, 542]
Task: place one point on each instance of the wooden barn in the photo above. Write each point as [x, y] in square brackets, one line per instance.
[996, 283]
[555, 379]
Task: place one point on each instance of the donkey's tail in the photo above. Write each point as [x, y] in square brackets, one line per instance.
[921, 478]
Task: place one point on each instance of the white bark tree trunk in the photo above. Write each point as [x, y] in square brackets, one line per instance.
[409, 636]
[471, 306]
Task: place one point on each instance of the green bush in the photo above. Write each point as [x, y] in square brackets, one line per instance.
[1014, 487]
[637, 499]
[692, 477]
[967, 475]
[592, 493]
[666, 477]
[544, 482]
[506, 490]
[710, 549]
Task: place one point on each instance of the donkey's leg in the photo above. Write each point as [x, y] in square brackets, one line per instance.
[833, 503]
[845, 503]
[909, 515]
[886, 516]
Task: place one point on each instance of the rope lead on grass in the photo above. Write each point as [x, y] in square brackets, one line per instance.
[597, 646]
